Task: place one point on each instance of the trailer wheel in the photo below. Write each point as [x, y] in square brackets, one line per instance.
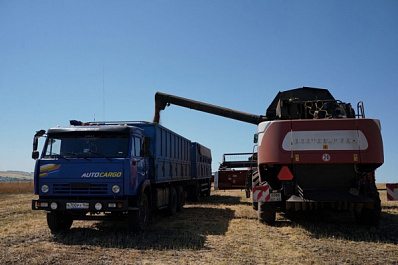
[370, 216]
[137, 220]
[208, 191]
[180, 198]
[173, 202]
[59, 222]
[267, 212]
[195, 192]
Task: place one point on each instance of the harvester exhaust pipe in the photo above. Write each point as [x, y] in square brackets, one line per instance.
[162, 100]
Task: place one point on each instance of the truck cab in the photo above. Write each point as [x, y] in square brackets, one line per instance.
[90, 171]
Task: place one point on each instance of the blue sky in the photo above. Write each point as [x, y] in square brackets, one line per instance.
[62, 60]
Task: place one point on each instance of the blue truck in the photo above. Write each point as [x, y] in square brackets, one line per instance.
[116, 171]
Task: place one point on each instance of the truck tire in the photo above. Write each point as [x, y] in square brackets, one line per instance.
[59, 222]
[180, 198]
[368, 216]
[173, 202]
[267, 212]
[137, 220]
[255, 182]
[208, 191]
[195, 192]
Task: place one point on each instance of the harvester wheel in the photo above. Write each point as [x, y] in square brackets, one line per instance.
[59, 222]
[370, 216]
[137, 220]
[267, 212]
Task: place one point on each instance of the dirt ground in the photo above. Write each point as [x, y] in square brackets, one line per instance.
[221, 229]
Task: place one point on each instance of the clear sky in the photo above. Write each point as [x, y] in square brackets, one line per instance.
[104, 60]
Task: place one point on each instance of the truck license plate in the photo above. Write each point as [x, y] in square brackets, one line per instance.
[77, 205]
[275, 197]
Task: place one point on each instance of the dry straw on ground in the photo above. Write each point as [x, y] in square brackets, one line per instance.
[222, 229]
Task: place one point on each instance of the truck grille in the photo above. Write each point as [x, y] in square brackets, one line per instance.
[80, 188]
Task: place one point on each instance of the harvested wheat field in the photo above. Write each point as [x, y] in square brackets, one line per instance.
[221, 229]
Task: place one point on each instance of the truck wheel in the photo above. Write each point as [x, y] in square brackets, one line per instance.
[172, 206]
[370, 216]
[137, 220]
[208, 191]
[180, 198]
[195, 192]
[59, 222]
[266, 212]
[255, 182]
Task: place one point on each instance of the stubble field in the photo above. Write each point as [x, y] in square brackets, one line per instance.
[221, 229]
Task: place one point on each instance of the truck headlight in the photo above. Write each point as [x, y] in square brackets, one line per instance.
[45, 188]
[115, 189]
[98, 206]
[54, 206]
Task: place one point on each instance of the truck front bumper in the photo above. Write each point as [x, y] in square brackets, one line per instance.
[85, 205]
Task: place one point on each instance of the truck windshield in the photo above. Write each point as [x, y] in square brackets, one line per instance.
[87, 145]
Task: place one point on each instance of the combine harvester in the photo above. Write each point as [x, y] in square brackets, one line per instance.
[314, 152]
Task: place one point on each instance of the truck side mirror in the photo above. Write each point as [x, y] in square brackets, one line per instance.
[255, 140]
[35, 153]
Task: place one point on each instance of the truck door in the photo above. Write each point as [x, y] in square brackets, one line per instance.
[137, 164]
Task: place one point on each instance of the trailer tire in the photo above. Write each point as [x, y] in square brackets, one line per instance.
[208, 191]
[195, 192]
[59, 222]
[137, 221]
[267, 212]
[173, 202]
[180, 198]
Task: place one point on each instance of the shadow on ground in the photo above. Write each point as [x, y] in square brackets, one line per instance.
[223, 199]
[185, 230]
[328, 224]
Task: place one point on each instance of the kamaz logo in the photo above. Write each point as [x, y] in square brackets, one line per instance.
[102, 175]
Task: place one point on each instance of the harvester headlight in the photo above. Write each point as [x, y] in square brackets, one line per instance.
[115, 189]
[53, 206]
[45, 188]
[98, 206]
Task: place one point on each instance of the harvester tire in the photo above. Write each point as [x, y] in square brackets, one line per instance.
[267, 212]
[137, 220]
[370, 216]
[59, 222]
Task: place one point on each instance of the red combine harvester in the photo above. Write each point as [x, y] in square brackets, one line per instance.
[313, 153]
